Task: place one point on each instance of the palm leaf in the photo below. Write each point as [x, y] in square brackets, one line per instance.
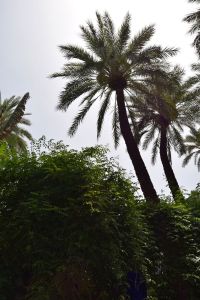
[149, 137]
[102, 111]
[155, 150]
[139, 41]
[72, 91]
[15, 117]
[124, 33]
[75, 52]
[187, 159]
[80, 116]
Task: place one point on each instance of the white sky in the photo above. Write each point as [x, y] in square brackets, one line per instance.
[30, 32]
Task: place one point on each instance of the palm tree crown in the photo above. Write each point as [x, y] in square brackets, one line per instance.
[194, 19]
[193, 148]
[161, 115]
[11, 117]
[174, 107]
[111, 61]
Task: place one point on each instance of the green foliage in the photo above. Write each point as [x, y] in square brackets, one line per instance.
[173, 253]
[71, 228]
[68, 225]
[12, 112]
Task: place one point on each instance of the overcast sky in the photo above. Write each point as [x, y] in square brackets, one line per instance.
[30, 33]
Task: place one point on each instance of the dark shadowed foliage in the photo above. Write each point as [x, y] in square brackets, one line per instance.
[72, 228]
[69, 227]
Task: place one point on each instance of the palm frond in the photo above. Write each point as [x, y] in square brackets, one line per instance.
[198, 164]
[25, 121]
[155, 150]
[139, 41]
[196, 67]
[192, 17]
[109, 28]
[72, 91]
[21, 132]
[91, 94]
[193, 147]
[124, 33]
[178, 141]
[80, 116]
[196, 154]
[149, 137]
[75, 52]
[187, 159]
[17, 143]
[100, 22]
[190, 82]
[102, 111]
[77, 70]
[94, 40]
[196, 44]
[155, 53]
[15, 117]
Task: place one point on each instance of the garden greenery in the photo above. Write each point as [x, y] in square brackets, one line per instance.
[72, 227]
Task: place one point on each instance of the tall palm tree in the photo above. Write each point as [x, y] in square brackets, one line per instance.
[193, 148]
[111, 64]
[194, 19]
[11, 117]
[167, 112]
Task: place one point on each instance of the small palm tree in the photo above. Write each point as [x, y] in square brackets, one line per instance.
[11, 117]
[194, 20]
[193, 148]
[112, 64]
[167, 112]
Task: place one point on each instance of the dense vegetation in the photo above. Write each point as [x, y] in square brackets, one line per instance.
[72, 227]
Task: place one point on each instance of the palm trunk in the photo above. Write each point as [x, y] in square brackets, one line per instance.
[169, 173]
[133, 151]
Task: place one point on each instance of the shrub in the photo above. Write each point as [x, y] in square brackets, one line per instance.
[72, 228]
[69, 226]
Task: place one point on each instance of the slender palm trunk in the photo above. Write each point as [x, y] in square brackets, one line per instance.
[169, 173]
[133, 151]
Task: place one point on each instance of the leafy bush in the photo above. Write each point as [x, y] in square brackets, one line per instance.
[72, 228]
[69, 227]
[173, 253]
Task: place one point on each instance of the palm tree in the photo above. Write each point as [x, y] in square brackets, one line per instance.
[194, 20]
[193, 147]
[112, 64]
[167, 112]
[11, 116]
